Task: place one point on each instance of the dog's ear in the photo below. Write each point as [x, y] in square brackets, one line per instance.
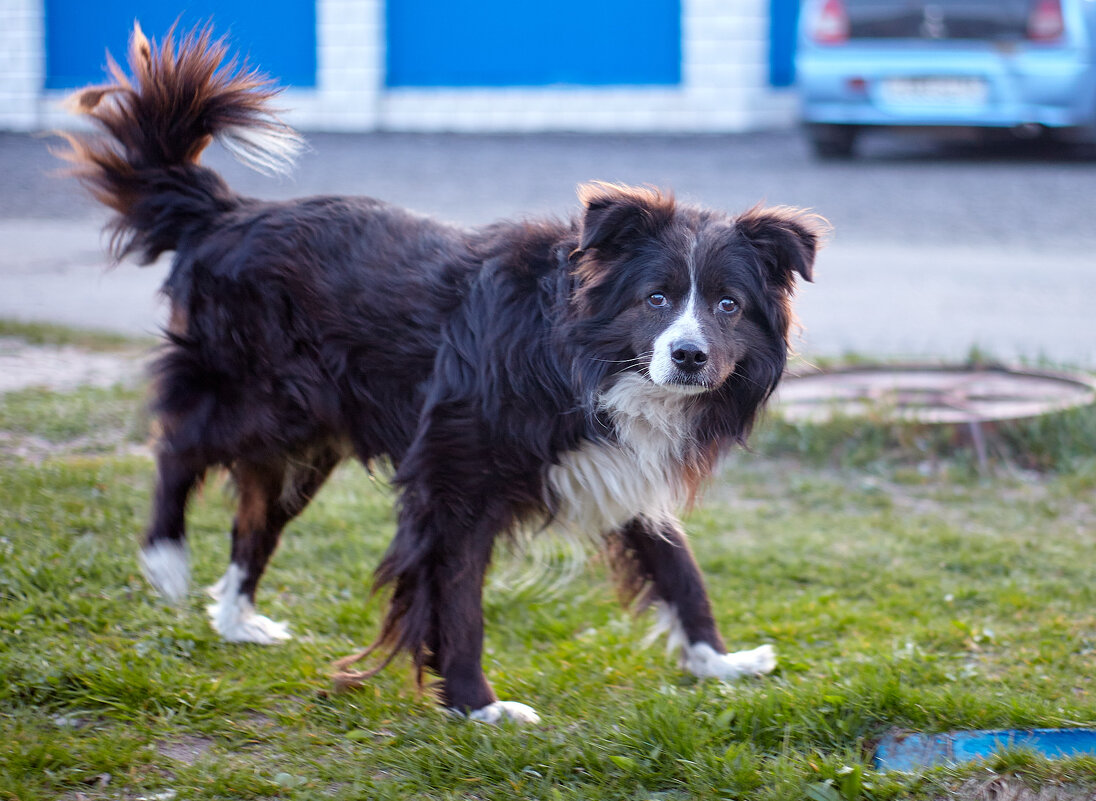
[786, 239]
[615, 213]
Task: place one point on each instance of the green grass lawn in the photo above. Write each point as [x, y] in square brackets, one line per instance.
[900, 588]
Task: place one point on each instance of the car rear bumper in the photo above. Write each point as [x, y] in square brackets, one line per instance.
[855, 86]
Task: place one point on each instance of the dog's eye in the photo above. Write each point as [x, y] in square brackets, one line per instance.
[657, 300]
[728, 305]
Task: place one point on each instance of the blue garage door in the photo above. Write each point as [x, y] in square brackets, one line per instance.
[519, 43]
[277, 36]
[783, 31]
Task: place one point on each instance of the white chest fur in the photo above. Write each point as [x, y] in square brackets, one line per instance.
[601, 485]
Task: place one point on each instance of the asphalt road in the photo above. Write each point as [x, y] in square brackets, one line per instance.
[936, 249]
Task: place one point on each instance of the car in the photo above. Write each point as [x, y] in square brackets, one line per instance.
[1023, 66]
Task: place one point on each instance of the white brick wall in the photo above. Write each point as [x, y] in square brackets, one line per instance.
[724, 81]
[349, 70]
[22, 63]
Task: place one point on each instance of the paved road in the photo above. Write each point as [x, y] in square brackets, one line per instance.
[936, 249]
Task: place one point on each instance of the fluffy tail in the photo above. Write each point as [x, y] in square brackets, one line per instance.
[154, 125]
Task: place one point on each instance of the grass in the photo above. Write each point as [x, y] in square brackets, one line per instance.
[897, 596]
[87, 419]
[1060, 443]
[49, 334]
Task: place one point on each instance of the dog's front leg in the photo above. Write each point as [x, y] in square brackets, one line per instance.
[455, 642]
[437, 565]
[655, 559]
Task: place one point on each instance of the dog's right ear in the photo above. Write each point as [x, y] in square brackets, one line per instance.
[616, 213]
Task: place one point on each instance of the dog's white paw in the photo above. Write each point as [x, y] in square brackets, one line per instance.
[216, 591]
[167, 568]
[505, 710]
[704, 661]
[236, 621]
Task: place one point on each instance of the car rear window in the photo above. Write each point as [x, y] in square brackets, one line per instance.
[937, 19]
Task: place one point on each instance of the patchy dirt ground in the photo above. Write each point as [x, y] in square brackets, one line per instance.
[1007, 788]
[64, 367]
[27, 366]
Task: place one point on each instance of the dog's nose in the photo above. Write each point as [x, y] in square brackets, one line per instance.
[688, 356]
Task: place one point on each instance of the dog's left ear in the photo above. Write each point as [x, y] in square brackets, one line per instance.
[786, 239]
[616, 214]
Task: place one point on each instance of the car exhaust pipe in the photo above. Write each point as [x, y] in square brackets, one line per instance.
[1028, 130]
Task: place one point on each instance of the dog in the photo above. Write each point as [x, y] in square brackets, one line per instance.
[585, 374]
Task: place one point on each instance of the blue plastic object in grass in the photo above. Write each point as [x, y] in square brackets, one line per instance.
[911, 751]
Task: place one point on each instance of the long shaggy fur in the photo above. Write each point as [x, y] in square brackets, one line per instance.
[505, 371]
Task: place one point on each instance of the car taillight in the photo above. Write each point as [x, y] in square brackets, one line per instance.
[831, 26]
[1045, 23]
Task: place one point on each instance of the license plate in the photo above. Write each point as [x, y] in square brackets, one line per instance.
[935, 91]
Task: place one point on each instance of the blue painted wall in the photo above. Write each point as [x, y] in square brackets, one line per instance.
[521, 43]
[783, 31]
[278, 36]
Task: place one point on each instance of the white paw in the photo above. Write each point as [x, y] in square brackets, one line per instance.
[505, 710]
[236, 621]
[217, 591]
[166, 566]
[704, 661]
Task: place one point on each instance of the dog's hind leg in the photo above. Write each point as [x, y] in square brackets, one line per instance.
[270, 496]
[654, 561]
[163, 555]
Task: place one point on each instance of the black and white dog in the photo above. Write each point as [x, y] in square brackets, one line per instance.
[586, 374]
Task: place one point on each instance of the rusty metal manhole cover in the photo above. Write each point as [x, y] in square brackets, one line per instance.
[931, 394]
